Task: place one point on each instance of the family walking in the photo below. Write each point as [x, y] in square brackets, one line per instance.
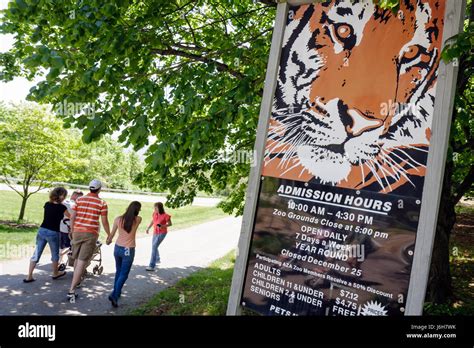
[73, 227]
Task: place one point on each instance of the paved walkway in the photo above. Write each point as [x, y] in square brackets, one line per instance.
[182, 252]
[198, 201]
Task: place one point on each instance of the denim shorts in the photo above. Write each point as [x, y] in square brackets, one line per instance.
[44, 237]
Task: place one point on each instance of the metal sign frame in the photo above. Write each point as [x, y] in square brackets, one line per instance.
[444, 101]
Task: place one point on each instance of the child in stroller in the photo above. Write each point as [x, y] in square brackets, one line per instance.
[65, 241]
[65, 230]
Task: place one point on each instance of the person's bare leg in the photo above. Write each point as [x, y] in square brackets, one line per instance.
[55, 268]
[79, 267]
[30, 270]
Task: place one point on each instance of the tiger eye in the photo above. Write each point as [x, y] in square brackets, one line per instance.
[344, 31]
[411, 52]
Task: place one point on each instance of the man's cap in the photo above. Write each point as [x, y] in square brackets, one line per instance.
[95, 184]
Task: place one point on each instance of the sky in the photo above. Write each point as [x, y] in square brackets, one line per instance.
[16, 90]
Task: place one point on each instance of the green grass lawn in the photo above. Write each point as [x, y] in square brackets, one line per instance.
[10, 206]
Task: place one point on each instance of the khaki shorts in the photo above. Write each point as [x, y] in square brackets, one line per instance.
[83, 245]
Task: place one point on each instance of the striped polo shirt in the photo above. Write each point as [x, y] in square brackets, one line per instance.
[89, 209]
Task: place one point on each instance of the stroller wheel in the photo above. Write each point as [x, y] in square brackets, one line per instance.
[62, 267]
[95, 270]
[100, 270]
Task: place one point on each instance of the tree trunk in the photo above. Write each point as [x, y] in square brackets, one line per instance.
[24, 199]
[439, 282]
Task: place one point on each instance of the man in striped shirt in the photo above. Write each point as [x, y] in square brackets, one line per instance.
[85, 227]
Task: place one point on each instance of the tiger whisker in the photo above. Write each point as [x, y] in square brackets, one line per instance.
[388, 156]
[290, 152]
[293, 115]
[394, 174]
[400, 169]
[284, 126]
[294, 148]
[374, 172]
[276, 133]
[290, 137]
[292, 167]
[361, 166]
[276, 145]
[404, 160]
[383, 173]
[302, 170]
[416, 148]
[414, 161]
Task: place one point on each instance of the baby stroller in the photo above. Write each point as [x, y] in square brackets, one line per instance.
[96, 257]
[95, 260]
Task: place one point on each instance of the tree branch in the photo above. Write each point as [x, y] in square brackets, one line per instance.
[40, 187]
[191, 48]
[268, 2]
[461, 147]
[191, 29]
[220, 66]
[465, 185]
[232, 17]
[10, 185]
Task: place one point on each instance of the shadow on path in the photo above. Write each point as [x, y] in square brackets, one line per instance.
[46, 296]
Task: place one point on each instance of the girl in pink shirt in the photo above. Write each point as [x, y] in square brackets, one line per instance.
[160, 222]
[124, 252]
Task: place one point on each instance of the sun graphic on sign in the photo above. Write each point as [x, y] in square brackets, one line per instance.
[373, 308]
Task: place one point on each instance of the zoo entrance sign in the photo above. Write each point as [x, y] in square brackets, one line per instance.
[341, 207]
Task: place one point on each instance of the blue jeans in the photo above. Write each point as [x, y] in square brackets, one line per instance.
[155, 254]
[44, 237]
[123, 263]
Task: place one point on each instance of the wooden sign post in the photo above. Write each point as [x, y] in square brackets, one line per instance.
[341, 208]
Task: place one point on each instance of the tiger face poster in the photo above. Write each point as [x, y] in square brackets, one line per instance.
[345, 160]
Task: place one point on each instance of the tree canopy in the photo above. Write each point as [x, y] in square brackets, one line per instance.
[37, 150]
[105, 160]
[189, 74]
[33, 147]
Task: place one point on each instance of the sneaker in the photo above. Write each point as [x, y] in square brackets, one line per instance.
[114, 303]
[150, 269]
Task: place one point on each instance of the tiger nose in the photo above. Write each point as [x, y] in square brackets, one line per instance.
[361, 123]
